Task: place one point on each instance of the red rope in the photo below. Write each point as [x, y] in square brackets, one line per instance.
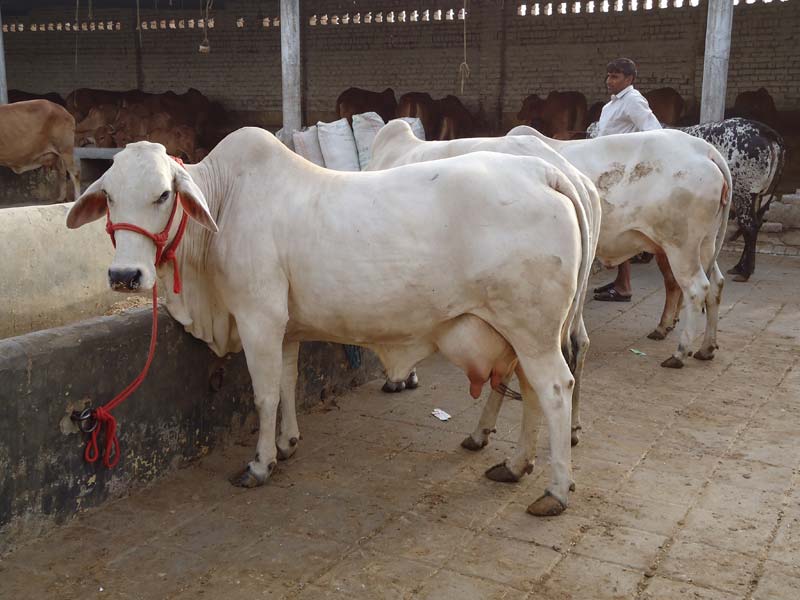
[102, 415]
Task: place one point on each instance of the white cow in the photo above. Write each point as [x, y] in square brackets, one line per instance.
[396, 145]
[476, 257]
[667, 193]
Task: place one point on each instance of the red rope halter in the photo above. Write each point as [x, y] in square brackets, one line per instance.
[102, 416]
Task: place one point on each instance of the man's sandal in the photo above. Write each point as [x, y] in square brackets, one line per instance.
[611, 295]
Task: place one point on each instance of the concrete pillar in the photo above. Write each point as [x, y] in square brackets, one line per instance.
[3, 82]
[290, 66]
[715, 67]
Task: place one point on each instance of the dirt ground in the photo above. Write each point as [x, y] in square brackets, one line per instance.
[687, 487]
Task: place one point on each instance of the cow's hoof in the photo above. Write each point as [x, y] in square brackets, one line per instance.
[249, 479]
[741, 277]
[390, 387]
[735, 270]
[547, 506]
[704, 354]
[503, 474]
[571, 486]
[412, 382]
[575, 436]
[470, 444]
[288, 452]
[672, 363]
[656, 335]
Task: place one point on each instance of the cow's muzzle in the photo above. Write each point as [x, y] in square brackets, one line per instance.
[124, 279]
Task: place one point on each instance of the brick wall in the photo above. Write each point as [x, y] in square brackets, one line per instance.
[509, 56]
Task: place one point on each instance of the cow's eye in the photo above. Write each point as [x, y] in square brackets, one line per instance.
[163, 197]
[108, 198]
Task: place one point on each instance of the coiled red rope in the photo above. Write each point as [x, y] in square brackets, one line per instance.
[104, 420]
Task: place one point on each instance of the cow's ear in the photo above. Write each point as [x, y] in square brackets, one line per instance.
[92, 205]
[192, 199]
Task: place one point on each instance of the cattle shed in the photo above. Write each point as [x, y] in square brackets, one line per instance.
[512, 49]
[687, 481]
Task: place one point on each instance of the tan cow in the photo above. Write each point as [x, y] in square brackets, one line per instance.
[422, 106]
[38, 133]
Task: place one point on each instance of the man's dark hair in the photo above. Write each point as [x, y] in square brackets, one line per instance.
[622, 65]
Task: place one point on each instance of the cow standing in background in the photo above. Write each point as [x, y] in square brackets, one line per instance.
[39, 133]
[755, 154]
[354, 101]
[666, 104]
[560, 116]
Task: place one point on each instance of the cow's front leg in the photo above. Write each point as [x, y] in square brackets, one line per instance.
[262, 342]
[289, 432]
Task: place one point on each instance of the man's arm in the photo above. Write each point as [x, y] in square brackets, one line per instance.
[642, 116]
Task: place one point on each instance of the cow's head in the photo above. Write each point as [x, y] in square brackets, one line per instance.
[140, 189]
[531, 109]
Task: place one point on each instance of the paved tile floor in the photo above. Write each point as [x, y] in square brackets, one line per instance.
[687, 487]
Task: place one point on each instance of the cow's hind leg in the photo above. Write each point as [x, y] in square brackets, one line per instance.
[695, 286]
[672, 300]
[289, 433]
[748, 260]
[513, 469]
[749, 223]
[713, 300]
[73, 172]
[547, 379]
[580, 343]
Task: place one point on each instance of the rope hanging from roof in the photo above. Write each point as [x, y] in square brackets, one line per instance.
[463, 68]
[77, 9]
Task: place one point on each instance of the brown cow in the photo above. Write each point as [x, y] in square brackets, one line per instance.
[38, 133]
[104, 137]
[666, 104]
[80, 101]
[354, 101]
[560, 116]
[422, 106]
[595, 110]
[190, 108]
[20, 96]
[456, 120]
[757, 105]
[179, 141]
[96, 118]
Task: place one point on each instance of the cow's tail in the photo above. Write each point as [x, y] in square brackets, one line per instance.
[564, 186]
[725, 201]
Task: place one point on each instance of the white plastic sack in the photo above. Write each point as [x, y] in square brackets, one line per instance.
[365, 128]
[285, 138]
[416, 126]
[338, 145]
[306, 144]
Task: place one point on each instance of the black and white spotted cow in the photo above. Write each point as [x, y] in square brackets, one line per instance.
[755, 155]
